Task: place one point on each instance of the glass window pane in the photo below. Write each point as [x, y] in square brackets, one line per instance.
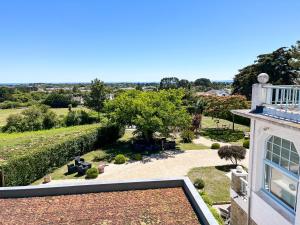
[267, 177]
[284, 163]
[283, 187]
[275, 159]
[294, 158]
[285, 153]
[286, 144]
[269, 155]
[276, 149]
[293, 148]
[294, 168]
[277, 141]
[269, 146]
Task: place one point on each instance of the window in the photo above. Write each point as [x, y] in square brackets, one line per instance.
[282, 171]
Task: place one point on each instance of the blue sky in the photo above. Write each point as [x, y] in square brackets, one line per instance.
[142, 40]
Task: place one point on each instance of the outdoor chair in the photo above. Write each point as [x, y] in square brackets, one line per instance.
[81, 170]
[78, 160]
[71, 168]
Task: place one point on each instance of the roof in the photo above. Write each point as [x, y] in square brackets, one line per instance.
[153, 206]
[167, 201]
[278, 121]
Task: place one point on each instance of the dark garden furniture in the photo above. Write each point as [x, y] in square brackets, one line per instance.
[72, 168]
[80, 166]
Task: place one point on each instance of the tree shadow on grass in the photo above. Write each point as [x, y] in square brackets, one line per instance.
[125, 148]
[223, 135]
[225, 168]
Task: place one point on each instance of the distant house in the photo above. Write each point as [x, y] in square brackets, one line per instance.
[110, 96]
[214, 92]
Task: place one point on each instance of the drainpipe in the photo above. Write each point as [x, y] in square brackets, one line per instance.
[251, 173]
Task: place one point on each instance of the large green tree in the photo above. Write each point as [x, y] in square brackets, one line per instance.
[295, 60]
[96, 97]
[276, 64]
[150, 112]
[169, 83]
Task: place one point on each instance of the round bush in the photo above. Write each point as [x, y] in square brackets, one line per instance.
[137, 157]
[120, 159]
[215, 146]
[92, 173]
[187, 136]
[199, 183]
[246, 143]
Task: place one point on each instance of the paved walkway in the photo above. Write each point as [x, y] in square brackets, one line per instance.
[164, 165]
[207, 142]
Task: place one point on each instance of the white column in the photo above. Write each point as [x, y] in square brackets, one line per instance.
[259, 95]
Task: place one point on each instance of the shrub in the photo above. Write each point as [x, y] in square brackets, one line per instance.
[206, 198]
[35, 161]
[215, 146]
[59, 100]
[199, 183]
[137, 157]
[31, 119]
[187, 136]
[216, 215]
[120, 159]
[246, 143]
[92, 173]
[209, 203]
[233, 153]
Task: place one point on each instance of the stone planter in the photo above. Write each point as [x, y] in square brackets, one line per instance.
[101, 168]
[47, 179]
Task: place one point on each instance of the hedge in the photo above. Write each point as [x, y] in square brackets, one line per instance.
[25, 168]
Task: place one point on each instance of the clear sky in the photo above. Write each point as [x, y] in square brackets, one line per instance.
[142, 40]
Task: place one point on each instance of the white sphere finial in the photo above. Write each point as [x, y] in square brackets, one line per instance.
[263, 78]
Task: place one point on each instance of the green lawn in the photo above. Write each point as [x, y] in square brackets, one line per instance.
[222, 131]
[18, 143]
[4, 113]
[217, 184]
[191, 146]
[94, 157]
[208, 122]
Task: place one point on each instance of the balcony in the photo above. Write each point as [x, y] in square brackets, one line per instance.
[277, 101]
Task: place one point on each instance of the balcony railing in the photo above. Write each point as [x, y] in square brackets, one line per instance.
[284, 97]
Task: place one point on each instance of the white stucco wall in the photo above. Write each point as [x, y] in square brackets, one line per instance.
[271, 213]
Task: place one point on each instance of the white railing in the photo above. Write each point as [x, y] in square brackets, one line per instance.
[244, 187]
[285, 97]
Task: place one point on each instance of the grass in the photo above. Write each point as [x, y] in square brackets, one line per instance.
[217, 184]
[208, 122]
[222, 131]
[4, 113]
[191, 146]
[18, 143]
[94, 157]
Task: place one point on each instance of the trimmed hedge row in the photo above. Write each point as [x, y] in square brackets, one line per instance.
[36, 163]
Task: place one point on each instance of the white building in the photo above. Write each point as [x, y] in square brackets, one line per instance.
[270, 193]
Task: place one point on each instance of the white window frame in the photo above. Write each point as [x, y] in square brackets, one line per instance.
[282, 170]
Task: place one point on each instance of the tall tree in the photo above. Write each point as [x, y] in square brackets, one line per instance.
[183, 83]
[169, 83]
[150, 112]
[95, 99]
[202, 82]
[275, 64]
[295, 60]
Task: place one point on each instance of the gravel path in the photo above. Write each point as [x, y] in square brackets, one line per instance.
[164, 165]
